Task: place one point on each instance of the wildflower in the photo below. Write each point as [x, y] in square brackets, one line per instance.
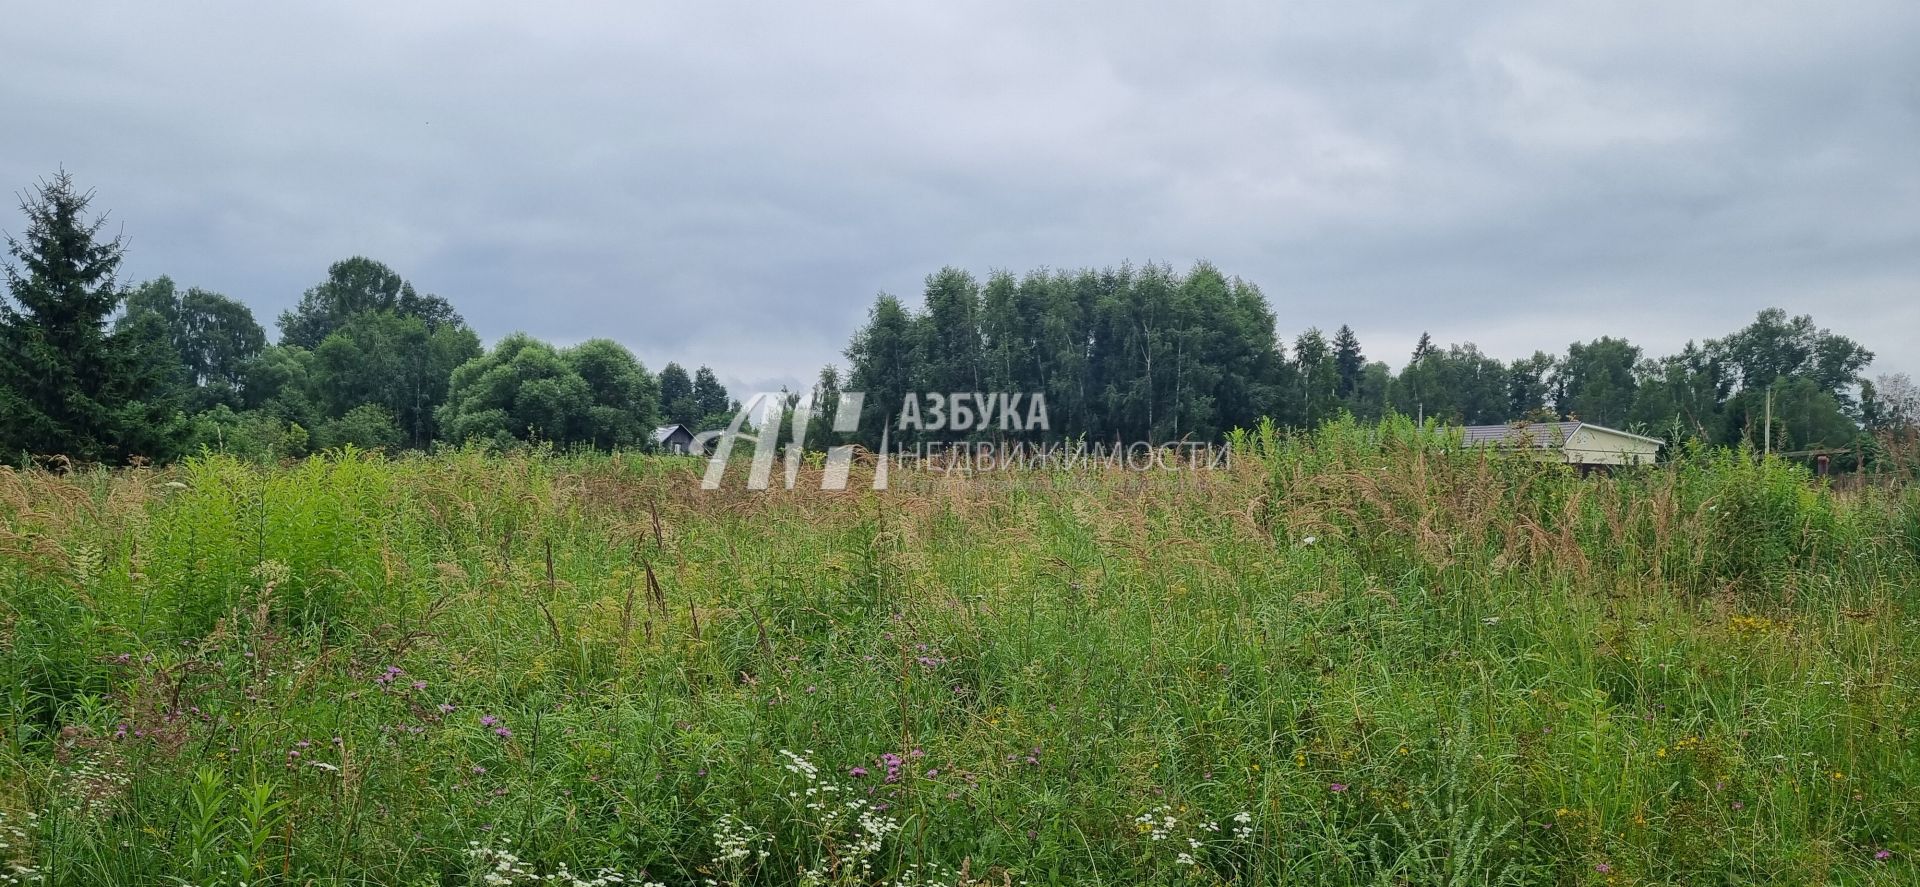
[1883, 855]
[1603, 868]
[419, 685]
[857, 772]
[446, 708]
[1337, 787]
[488, 720]
[503, 733]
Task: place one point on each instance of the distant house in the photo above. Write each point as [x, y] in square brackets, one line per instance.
[1575, 443]
[673, 439]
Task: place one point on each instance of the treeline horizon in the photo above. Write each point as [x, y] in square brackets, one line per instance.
[95, 371]
[1147, 353]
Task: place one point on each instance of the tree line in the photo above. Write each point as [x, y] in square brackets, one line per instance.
[94, 370]
[1147, 353]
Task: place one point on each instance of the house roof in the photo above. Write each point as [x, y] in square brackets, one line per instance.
[1541, 435]
[661, 434]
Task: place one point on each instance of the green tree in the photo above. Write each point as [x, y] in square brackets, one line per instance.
[356, 286]
[213, 338]
[1347, 361]
[676, 396]
[68, 384]
[595, 393]
[883, 362]
[1370, 394]
[1774, 346]
[252, 434]
[393, 361]
[1423, 347]
[1596, 381]
[1528, 388]
[712, 406]
[623, 398]
[367, 427]
[826, 400]
[950, 341]
[1682, 396]
[1457, 385]
[280, 382]
[1805, 415]
[1318, 370]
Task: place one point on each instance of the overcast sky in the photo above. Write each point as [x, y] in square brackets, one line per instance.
[731, 185]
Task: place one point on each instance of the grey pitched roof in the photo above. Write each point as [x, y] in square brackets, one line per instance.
[1541, 435]
[1532, 434]
[661, 434]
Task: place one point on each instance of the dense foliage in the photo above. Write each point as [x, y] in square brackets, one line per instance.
[1150, 354]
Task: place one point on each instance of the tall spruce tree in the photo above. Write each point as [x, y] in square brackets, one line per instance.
[1348, 361]
[70, 385]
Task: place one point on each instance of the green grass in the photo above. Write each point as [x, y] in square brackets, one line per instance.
[1394, 662]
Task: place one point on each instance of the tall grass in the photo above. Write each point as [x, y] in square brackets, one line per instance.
[1364, 655]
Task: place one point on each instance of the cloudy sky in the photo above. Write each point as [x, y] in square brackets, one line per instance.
[731, 184]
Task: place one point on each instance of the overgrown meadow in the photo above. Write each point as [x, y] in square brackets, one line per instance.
[1357, 657]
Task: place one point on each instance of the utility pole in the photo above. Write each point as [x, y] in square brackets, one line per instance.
[1768, 436]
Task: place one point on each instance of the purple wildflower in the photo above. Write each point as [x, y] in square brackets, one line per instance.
[488, 720]
[1603, 868]
[1337, 787]
[1883, 855]
[503, 733]
[857, 772]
